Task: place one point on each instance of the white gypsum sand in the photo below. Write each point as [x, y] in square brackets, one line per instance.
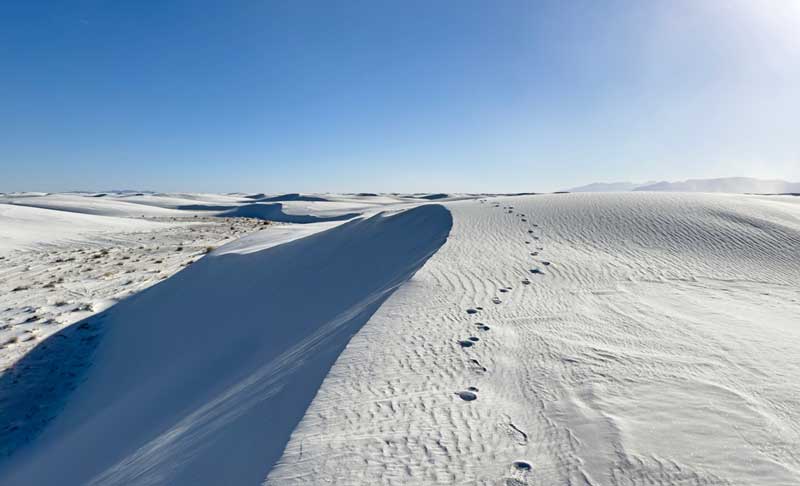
[58, 268]
[655, 344]
[615, 339]
[250, 344]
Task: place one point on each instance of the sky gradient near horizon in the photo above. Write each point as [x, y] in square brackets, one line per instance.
[282, 96]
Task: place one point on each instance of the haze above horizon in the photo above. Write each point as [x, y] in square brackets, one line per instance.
[395, 96]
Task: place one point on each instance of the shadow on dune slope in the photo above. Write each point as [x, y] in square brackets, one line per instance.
[205, 207]
[33, 391]
[292, 197]
[261, 197]
[202, 378]
[274, 212]
[269, 212]
[433, 197]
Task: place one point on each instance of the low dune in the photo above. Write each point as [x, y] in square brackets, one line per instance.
[274, 212]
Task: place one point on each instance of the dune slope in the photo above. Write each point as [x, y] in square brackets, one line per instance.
[274, 212]
[622, 339]
[201, 379]
[25, 227]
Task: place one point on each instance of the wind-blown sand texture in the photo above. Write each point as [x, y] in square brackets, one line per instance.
[604, 339]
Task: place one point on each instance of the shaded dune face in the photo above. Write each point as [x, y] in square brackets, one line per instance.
[274, 212]
[202, 378]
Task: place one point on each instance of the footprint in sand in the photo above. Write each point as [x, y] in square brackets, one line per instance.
[472, 311]
[534, 253]
[530, 231]
[496, 300]
[546, 264]
[537, 271]
[477, 366]
[504, 290]
[467, 396]
[466, 343]
[474, 339]
[525, 281]
[521, 466]
[481, 326]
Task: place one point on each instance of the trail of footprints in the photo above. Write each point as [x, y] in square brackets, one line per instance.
[471, 393]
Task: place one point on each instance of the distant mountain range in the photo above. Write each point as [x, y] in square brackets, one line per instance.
[609, 187]
[724, 184]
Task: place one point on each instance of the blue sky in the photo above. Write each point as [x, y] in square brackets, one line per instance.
[395, 96]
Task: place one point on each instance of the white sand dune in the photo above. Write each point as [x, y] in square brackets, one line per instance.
[275, 212]
[290, 208]
[25, 227]
[87, 204]
[657, 347]
[257, 331]
[175, 200]
[58, 268]
[604, 339]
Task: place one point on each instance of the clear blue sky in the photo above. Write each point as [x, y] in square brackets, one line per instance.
[263, 95]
